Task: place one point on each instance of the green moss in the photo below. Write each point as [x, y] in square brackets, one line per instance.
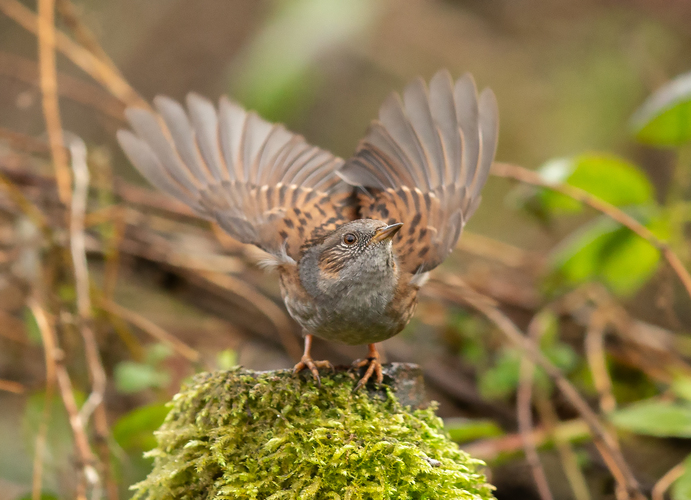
[245, 435]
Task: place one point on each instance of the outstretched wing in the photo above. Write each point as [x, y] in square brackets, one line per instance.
[424, 163]
[261, 183]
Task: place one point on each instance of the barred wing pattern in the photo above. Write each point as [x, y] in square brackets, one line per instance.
[424, 163]
[263, 184]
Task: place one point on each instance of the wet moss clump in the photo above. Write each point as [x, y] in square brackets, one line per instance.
[251, 435]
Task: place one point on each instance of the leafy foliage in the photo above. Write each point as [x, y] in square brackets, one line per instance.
[664, 119]
[681, 490]
[608, 177]
[240, 434]
[135, 430]
[656, 418]
[602, 249]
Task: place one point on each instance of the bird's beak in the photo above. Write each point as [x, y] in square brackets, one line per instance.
[386, 232]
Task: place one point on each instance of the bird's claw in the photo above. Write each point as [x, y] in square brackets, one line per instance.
[308, 362]
[373, 367]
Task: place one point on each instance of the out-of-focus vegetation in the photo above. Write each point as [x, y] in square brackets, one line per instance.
[581, 242]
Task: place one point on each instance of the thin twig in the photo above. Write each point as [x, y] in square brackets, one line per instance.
[569, 461]
[49, 92]
[49, 350]
[667, 480]
[88, 62]
[601, 437]
[11, 386]
[524, 412]
[70, 87]
[493, 448]
[151, 329]
[70, 16]
[504, 253]
[86, 457]
[24, 204]
[529, 177]
[595, 353]
[80, 172]
[265, 305]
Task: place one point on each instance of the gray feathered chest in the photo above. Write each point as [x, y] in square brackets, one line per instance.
[351, 306]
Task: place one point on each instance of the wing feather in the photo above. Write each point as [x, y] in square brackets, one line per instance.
[424, 163]
[261, 183]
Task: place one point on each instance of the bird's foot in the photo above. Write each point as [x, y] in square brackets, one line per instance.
[308, 362]
[373, 368]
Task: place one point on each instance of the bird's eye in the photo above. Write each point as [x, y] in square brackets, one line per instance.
[349, 239]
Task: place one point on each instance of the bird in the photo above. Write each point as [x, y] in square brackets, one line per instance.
[352, 240]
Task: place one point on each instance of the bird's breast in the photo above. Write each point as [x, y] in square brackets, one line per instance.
[363, 312]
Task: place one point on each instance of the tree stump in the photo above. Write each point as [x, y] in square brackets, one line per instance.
[240, 434]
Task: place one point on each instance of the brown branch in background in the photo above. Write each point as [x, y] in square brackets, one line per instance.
[19, 141]
[508, 255]
[71, 18]
[95, 402]
[265, 305]
[77, 90]
[88, 62]
[529, 177]
[49, 350]
[497, 447]
[601, 437]
[569, 460]
[524, 412]
[13, 329]
[49, 93]
[81, 275]
[10, 386]
[595, 353]
[26, 206]
[89, 475]
[151, 329]
[667, 480]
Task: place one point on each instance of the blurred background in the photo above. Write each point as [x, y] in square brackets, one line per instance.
[166, 295]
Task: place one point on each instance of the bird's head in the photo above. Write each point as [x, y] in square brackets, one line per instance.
[357, 251]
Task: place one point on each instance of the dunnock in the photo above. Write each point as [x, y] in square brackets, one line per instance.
[352, 240]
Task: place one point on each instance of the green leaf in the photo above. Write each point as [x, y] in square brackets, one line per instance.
[664, 119]
[502, 379]
[562, 356]
[135, 430]
[681, 489]
[655, 418]
[226, 359]
[608, 177]
[463, 430]
[134, 377]
[606, 251]
[155, 353]
[681, 386]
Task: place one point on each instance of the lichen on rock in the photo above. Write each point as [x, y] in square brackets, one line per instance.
[270, 435]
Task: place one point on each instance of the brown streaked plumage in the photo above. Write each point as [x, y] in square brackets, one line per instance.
[352, 240]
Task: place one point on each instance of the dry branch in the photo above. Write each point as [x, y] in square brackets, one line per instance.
[529, 177]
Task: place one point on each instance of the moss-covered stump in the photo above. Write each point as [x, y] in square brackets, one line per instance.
[271, 435]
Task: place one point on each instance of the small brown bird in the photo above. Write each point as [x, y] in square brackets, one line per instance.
[352, 240]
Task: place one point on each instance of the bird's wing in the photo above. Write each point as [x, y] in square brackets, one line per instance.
[263, 184]
[424, 162]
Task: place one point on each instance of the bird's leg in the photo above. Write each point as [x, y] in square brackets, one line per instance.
[307, 362]
[373, 366]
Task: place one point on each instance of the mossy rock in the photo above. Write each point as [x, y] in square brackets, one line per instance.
[240, 434]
